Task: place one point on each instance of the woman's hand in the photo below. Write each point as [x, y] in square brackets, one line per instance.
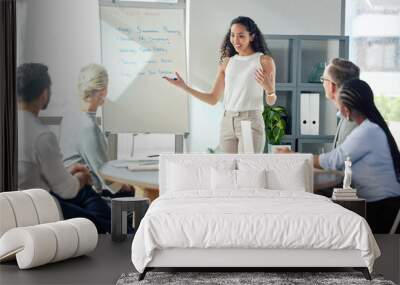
[265, 76]
[177, 81]
[271, 99]
[265, 79]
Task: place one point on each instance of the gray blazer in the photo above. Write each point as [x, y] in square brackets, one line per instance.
[343, 129]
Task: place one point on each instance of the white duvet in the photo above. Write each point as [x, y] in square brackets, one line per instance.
[253, 218]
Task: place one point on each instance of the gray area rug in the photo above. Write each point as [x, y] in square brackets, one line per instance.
[232, 278]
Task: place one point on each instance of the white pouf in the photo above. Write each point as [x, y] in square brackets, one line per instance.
[37, 245]
[31, 231]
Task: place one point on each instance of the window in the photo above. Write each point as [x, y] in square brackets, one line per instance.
[152, 1]
[377, 53]
[374, 30]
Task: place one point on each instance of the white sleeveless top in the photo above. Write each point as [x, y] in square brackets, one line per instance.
[242, 91]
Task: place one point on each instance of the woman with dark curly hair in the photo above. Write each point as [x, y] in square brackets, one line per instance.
[246, 70]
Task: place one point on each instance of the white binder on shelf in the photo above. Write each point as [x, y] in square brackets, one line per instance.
[309, 113]
[304, 110]
[314, 114]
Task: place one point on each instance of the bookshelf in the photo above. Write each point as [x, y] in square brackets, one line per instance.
[300, 61]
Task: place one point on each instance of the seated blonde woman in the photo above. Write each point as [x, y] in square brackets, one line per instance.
[82, 141]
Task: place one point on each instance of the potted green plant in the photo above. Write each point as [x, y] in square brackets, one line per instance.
[275, 118]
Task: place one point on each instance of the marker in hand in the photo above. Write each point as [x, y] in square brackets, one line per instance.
[174, 78]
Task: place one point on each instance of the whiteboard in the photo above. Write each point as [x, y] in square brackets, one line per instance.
[139, 47]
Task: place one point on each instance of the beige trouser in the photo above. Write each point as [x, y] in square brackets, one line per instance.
[230, 139]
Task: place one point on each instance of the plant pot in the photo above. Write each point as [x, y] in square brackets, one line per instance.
[272, 147]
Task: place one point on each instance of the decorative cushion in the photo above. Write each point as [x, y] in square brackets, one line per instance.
[185, 175]
[7, 218]
[40, 244]
[27, 208]
[237, 179]
[251, 178]
[87, 234]
[223, 179]
[67, 237]
[293, 179]
[283, 174]
[31, 246]
[23, 209]
[182, 177]
[45, 205]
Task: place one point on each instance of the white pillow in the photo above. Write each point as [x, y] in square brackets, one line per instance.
[185, 175]
[251, 178]
[282, 174]
[292, 179]
[223, 179]
[237, 179]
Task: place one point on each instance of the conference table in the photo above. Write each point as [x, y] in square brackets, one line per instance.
[147, 180]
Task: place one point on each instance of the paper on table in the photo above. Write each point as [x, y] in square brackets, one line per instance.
[135, 161]
[136, 167]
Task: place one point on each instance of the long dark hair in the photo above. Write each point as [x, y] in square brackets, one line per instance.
[258, 44]
[358, 96]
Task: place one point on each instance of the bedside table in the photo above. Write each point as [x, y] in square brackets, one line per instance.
[358, 206]
[120, 207]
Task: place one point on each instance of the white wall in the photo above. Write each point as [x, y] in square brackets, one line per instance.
[65, 35]
[209, 21]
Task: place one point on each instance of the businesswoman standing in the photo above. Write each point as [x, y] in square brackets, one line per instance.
[246, 70]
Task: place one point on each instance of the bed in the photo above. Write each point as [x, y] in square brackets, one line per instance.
[247, 211]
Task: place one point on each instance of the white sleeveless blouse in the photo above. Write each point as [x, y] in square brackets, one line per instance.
[242, 91]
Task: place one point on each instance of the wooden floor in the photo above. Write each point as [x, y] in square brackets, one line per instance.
[102, 266]
[110, 259]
